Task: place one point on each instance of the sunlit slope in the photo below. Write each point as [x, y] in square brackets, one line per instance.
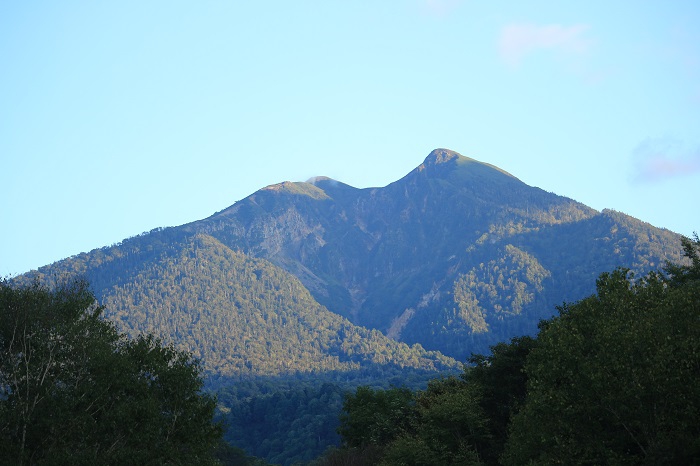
[241, 316]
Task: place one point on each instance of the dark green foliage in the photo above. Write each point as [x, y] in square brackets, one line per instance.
[286, 426]
[464, 421]
[613, 379]
[75, 391]
[350, 456]
[680, 274]
[376, 417]
[439, 426]
[450, 427]
[500, 381]
[289, 420]
[231, 456]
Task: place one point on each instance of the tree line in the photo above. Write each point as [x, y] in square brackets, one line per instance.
[612, 379]
[73, 390]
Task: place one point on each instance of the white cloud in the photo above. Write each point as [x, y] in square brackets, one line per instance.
[660, 159]
[519, 40]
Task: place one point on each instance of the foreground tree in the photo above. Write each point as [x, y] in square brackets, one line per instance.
[680, 274]
[614, 378]
[75, 391]
[376, 417]
[454, 421]
[450, 428]
[500, 382]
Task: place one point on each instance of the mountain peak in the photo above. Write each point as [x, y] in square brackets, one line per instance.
[439, 156]
[442, 158]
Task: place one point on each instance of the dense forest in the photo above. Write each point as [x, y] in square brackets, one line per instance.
[294, 420]
[292, 298]
[612, 379]
[73, 390]
[241, 316]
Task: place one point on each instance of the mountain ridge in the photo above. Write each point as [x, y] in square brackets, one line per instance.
[456, 255]
[355, 241]
[303, 290]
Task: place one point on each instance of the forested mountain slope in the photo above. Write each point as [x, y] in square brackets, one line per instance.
[240, 315]
[456, 256]
[302, 286]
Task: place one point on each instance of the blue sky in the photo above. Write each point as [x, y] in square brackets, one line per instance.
[120, 117]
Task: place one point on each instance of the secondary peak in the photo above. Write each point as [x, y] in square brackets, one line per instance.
[439, 156]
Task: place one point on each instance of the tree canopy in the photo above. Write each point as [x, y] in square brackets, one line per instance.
[75, 391]
[613, 379]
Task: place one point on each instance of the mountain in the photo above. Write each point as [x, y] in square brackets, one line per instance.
[242, 316]
[455, 256]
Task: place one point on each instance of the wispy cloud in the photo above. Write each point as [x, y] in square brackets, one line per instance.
[660, 159]
[517, 41]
